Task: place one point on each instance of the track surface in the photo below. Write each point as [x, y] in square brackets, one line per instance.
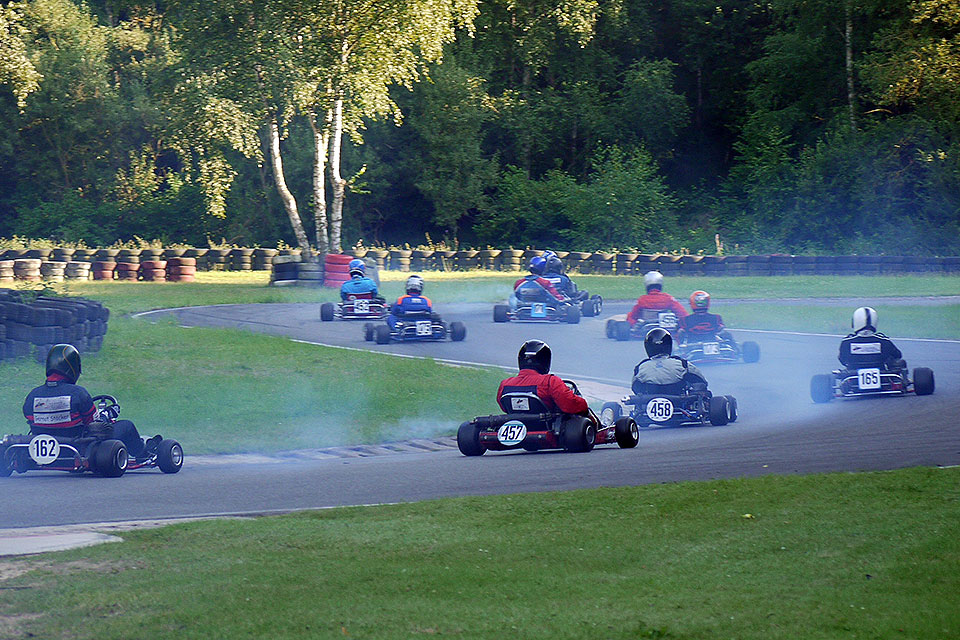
[779, 431]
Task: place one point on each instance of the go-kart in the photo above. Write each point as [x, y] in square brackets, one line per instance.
[716, 347]
[888, 380]
[693, 405]
[355, 307]
[619, 328]
[414, 327]
[528, 424]
[94, 449]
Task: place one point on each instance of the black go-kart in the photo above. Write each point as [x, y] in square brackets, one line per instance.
[355, 308]
[618, 328]
[715, 347]
[889, 380]
[528, 424]
[415, 328]
[693, 406]
[94, 450]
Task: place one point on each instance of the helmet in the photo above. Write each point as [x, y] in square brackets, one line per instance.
[658, 342]
[653, 279]
[535, 354]
[357, 268]
[414, 285]
[864, 318]
[537, 265]
[699, 300]
[546, 255]
[65, 360]
[554, 264]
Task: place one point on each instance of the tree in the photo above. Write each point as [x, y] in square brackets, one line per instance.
[16, 69]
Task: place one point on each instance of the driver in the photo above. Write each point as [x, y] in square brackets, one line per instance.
[534, 363]
[662, 372]
[60, 407]
[655, 299]
[535, 285]
[359, 285]
[413, 303]
[554, 274]
[701, 323]
[866, 347]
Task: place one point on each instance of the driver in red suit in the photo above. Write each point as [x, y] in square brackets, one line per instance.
[534, 362]
[655, 299]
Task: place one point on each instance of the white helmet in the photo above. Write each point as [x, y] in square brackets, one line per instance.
[864, 318]
[414, 285]
[653, 279]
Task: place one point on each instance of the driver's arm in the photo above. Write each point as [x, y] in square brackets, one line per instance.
[88, 412]
[565, 399]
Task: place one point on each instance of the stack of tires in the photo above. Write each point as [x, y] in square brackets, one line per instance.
[285, 269]
[181, 269]
[53, 271]
[77, 270]
[47, 321]
[153, 270]
[241, 259]
[309, 274]
[104, 269]
[336, 269]
[6, 271]
[27, 269]
[128, 271]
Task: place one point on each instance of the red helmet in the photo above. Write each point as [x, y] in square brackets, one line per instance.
[699, 300]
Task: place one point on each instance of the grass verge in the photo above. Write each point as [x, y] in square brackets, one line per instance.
[870, 555]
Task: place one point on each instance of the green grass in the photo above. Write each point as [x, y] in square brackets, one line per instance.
[871, 555]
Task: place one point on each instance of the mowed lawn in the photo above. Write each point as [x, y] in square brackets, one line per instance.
[870, 555]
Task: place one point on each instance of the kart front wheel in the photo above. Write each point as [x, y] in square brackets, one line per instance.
[923, 384]
[368, 330]
[719, 411]
[382, 334]
[458, 331]
[597, 304]
[501, 313]
[732, 408]
[821, 388]
[572, 315]
[610, 413]
[326, 311]
[627, 432]
[468, 440]
[169, 456]
[111, 458]
[621, 330]
[579, 434]
[611, 327]
[751, 352]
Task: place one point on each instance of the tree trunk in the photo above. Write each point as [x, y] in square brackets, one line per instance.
[321, 142]
[848, 46]
[336, 180]
[289, 202]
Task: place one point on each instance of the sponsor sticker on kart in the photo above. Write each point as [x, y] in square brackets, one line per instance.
[868, 378]
[711, 348]
[361, 306]
[520, 404]
[538, 310]
[659, 409]
[44, 449]
[424, 328]
[511, 433]
[864, 348]
[667, 319]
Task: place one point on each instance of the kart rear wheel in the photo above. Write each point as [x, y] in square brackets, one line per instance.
[627, 432]
[501, 313]
[732, 408]
[579, 434]
[169, 456]
[821, 388]
[458, 331]
[621, 330]
[597, 304]
[111, 458]
[610, 413]
[751, 352]
[923, 383]
[611, 328]
[368, 329]
[719, 411]
[587, 308]
[468, 440]
[382, 334]
[572, 315]
[326, 311]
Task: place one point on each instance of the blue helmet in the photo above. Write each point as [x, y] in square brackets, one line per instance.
[357, 268]
[537, 265]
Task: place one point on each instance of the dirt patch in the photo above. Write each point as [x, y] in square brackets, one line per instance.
[11, 626]
[9, 570]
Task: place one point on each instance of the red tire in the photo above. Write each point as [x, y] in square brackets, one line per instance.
[337, 269]
[185, 278]
[103, 275]
[182, 271]
[338, 258]
[104, 266]
[182, 262]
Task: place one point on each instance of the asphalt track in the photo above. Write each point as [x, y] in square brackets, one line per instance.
[780, 430]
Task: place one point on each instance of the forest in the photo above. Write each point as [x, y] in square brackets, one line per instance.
[787, 126]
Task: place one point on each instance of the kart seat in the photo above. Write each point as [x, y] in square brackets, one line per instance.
[522, 402]
[672, 389]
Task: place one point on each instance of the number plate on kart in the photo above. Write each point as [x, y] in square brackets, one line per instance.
[868, 378]
[424, 328]
[668, 319]
[44, 449]
[512, 432]
[538, 310]
[361, 306]
[659, 409]
[711, 348]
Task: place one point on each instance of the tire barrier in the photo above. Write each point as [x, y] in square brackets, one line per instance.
[285, 270]
[153, 270]
[35, 326]
[128, 271]
[78, 270]
[336, 269]
[181, 269]
[6, 271]
[104, 270]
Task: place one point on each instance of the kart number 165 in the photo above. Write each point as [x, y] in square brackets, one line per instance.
[868, 378]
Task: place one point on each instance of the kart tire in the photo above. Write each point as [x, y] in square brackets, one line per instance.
[501, 313]
[110, 458]
[579, 434]
[610, 328]
[751, 351]
[572, 315]
[597, 304]
[719, 411]
[326, 311]
[627, 432]
[458, 331]
[610, 413]
[169, 456]
[368, 330]
[821, 388]
[732, 408]
[382, 334]
[587, 310]
[468, 440]
[621, 330]
[923, 383]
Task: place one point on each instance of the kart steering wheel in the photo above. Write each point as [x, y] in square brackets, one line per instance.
[572, 386]
[107, 407]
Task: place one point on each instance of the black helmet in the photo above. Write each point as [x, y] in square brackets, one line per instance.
[658, 342]
[554, 265]
[65, 360]
[535, 354]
